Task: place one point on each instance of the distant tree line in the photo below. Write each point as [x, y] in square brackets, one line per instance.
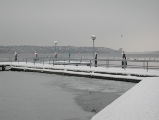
[25, 49]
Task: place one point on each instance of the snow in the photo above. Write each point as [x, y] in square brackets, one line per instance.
[139, 103]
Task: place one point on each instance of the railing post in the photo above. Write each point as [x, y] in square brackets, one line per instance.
[147, 66]
[64, 62]
[124, 64]
[144, 64]
[108, 63]
[90, 63]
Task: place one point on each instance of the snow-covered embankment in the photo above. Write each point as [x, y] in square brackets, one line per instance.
[139, 103]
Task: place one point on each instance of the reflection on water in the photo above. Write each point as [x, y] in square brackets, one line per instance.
[90, 84]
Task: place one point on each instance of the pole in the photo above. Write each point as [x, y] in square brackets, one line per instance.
[90, 63]
[93, 49]
[147, 66]
[55, 47]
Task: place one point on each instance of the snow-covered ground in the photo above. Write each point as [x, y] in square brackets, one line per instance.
[139, 103]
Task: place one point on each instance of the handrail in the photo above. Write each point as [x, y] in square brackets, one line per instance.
[89, 62]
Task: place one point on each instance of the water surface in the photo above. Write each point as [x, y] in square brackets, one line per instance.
[40, 96]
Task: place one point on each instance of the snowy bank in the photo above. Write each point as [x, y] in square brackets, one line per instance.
[139, 103]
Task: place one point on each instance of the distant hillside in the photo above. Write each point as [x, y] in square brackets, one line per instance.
[51, 49]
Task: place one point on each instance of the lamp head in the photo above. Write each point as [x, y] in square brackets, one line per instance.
[93, 37]
[55, 42]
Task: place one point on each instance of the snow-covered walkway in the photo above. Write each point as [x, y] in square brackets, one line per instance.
[133, 75]
[139, 103]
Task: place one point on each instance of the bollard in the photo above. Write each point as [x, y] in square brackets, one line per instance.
[43, 61]
[124, 64]
[53, 62]
[26, 60]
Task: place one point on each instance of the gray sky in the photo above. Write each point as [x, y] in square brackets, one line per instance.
[72, 22]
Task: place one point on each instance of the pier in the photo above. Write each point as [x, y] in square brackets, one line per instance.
[86, 68]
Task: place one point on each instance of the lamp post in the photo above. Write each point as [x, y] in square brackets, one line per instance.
[93, 38]
[55, 42]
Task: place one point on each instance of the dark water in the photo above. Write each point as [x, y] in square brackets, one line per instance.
[40, 96]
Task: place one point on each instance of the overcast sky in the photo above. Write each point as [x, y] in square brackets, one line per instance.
[72, 22]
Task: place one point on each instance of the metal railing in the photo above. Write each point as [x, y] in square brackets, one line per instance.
[107, 63]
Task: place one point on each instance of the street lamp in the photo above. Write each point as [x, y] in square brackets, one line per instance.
[93, 38]
[55, 42]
